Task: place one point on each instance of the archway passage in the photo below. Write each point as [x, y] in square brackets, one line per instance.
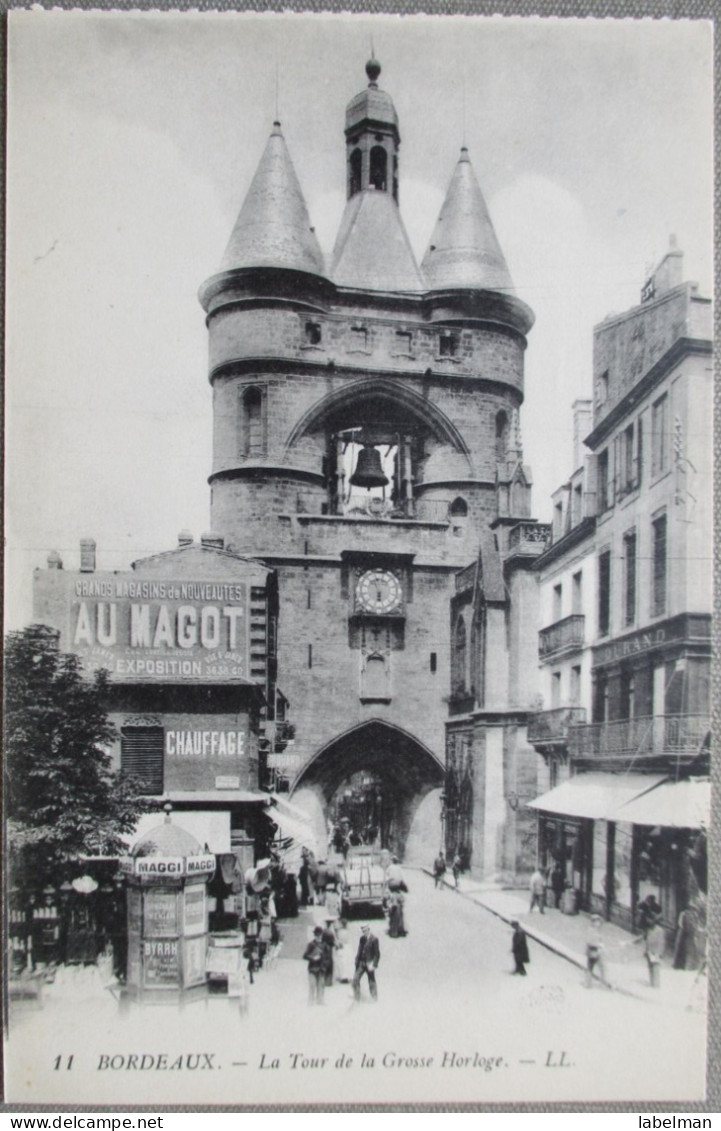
[378, 767]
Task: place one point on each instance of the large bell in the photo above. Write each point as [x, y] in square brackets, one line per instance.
[368, 471]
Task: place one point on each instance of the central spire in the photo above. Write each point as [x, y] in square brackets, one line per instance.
[372, 250]
[372, 138]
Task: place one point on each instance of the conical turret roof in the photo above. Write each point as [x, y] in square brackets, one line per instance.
[273, 228]
[372, 250]
[464, 250]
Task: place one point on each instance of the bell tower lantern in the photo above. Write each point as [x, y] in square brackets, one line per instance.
[372, 139]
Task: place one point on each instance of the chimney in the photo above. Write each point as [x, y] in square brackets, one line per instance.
[54, 560]
[185, 538]
[668, 274]
[212, 541]
[582, 425]
[87, 555]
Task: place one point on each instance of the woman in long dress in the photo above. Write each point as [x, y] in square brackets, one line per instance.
[344, 955]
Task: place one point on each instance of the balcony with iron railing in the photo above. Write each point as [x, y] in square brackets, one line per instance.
[680, 737]
[564, 636]
[551, 728]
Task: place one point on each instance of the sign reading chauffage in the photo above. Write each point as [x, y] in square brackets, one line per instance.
[151, 630]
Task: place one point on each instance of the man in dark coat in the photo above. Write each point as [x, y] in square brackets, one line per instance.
[316, 956]
[366, 962]
[519, 946]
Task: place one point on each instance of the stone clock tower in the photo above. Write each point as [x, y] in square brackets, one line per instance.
[365, 444]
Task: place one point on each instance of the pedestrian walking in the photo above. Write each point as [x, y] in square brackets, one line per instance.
[329, 942]
[595, 967]
[655, 944]
[343, 964]
[538, 890]
[558, 883]
[320, 882]
[396, 918]
[366, 962]
[439, 868]
[519, 948]
[315, 956]
[456, 868]
[685, 951]
[649, 911]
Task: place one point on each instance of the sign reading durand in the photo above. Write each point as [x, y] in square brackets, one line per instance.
[142, 630]
[689, 629]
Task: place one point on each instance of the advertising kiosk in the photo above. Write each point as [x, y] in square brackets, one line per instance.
[166, 875]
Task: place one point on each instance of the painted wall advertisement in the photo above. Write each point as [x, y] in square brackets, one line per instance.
[146, 630]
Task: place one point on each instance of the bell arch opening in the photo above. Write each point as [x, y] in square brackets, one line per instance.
[373, 778]
[377, 441]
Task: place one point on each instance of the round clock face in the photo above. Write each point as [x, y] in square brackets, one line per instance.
[378, 591]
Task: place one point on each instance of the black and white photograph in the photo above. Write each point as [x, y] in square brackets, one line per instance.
[358, 559]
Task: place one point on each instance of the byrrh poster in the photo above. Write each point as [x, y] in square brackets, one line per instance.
[358, 559]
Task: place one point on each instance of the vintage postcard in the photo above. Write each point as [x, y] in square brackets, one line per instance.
[358, 559]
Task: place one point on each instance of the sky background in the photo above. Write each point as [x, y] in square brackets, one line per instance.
[133, 139]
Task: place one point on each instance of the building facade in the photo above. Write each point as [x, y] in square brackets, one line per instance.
[188, 639]
[639, 794]
[365, 444]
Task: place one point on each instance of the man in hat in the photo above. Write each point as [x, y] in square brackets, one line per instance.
[330, 942]
[315, 955]
[519, 947]
[366, 962]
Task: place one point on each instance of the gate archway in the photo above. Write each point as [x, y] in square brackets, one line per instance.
[377, 767]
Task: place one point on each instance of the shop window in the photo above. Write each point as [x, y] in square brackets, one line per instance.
[604, 593]
[658, 593]
[356, 167]
[141, 755]
[629, 577]
[379, 168]
[659, 435]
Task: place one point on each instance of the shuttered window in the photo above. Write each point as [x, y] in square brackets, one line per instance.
[141, 755]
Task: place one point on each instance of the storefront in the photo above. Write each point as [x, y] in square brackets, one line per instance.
[596, 854]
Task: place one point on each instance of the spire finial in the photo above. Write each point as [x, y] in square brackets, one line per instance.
[373, 67]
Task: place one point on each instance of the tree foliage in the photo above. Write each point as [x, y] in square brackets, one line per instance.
[62, 798]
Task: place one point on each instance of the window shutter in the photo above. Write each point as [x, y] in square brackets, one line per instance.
[141, 755]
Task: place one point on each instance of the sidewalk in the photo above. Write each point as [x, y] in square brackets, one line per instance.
[565, 935]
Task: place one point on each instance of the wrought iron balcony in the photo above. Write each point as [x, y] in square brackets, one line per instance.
[565, 635]
[550, 728]
[649, 735]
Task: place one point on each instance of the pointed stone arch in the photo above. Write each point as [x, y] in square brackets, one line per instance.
[406, 768]
[399, 397]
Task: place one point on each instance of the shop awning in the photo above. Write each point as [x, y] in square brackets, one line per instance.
[301, 831]
[596, 796]
[212, 797]
[211, 827]
[672, 804]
